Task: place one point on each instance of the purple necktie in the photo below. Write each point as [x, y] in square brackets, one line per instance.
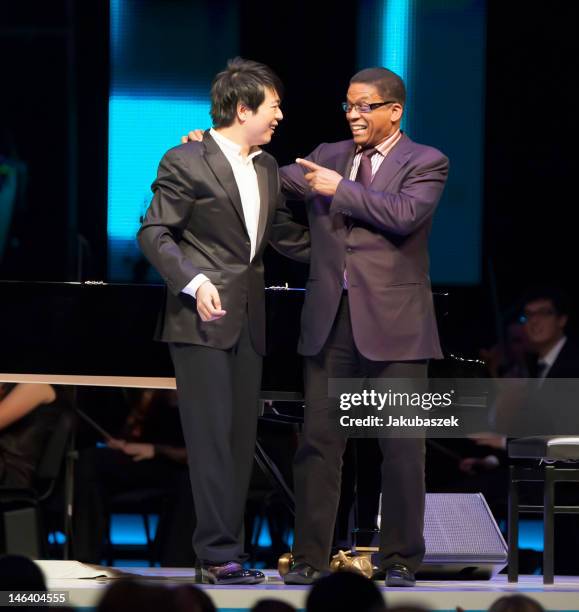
[364, 175]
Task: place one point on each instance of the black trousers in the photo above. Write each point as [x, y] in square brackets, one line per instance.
[218, 394]
[318, 461]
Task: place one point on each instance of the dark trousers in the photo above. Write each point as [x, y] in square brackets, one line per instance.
[359, 493]
[218, 394]
[318, 461]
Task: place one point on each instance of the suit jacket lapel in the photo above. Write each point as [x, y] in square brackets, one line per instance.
[388, 169]
[344, 167]
[263, 184]
[223, 173]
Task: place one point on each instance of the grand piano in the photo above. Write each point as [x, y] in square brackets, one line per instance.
[100, 334]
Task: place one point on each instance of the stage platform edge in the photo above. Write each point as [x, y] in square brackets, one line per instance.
[433, 595]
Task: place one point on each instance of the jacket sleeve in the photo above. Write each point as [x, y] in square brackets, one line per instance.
[165, 220]
[288, 237]
[293, 184]
[399, 212]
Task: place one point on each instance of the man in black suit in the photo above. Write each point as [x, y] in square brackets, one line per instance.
[545, 316]
[216, 205]
[554, 356]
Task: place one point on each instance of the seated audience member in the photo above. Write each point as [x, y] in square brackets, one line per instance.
[189, 598]
[129, 595]
[18, 573]
[536, 346]
[516, 603]
[509, 358]
[148, 454]
[21, 574]
[549, 354]
[555, 355]
[28, 413]
[343, 592]
[545, 314]
[272, 605]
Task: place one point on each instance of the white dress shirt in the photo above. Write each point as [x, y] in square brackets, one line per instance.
[382, 149]
[246, 180]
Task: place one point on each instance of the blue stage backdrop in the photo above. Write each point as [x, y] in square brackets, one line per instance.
[439, 47]
[164, 56]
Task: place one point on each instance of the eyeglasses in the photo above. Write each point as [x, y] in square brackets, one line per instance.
[364, 107]
[541, 313]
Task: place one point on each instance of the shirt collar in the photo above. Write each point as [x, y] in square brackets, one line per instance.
[232, 148]
[384, 147]
[550, 358]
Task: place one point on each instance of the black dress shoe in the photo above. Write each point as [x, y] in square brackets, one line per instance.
[399, 575]
[303, 573]
[227, 573]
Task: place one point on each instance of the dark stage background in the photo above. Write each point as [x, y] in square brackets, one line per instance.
[492, 87]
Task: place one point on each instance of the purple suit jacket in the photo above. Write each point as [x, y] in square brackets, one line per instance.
[385, 251]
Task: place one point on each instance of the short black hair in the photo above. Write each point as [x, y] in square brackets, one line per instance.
[345, 591]
[555, 295]
[19, 573]
[388, 83]
[245, 82]
[516, 603]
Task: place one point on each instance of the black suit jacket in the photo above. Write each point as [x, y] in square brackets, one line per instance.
[565, 366]
[551, 404]
[195, 224]
[383, 246]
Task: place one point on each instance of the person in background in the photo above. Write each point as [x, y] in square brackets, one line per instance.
[148, 453]
[545, 314]
[28, 413]
[516, 603]
[508, 359]
[19, 573]
[343, 592]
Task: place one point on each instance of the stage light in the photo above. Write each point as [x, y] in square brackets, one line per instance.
[141, 130]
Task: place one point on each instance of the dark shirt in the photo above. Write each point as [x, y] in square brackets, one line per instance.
[22, 443]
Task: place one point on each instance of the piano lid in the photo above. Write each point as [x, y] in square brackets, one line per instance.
[95, 332]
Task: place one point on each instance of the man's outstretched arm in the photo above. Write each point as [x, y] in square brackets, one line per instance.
[400, 212]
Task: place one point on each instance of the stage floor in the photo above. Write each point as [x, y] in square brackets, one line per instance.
[433, 595]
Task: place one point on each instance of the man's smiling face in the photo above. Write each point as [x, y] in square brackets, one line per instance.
[260, 125]
[369, 129]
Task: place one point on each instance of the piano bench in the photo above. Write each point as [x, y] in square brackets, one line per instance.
[548, 450]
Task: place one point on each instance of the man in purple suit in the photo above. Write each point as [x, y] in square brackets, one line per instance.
[368, 312]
